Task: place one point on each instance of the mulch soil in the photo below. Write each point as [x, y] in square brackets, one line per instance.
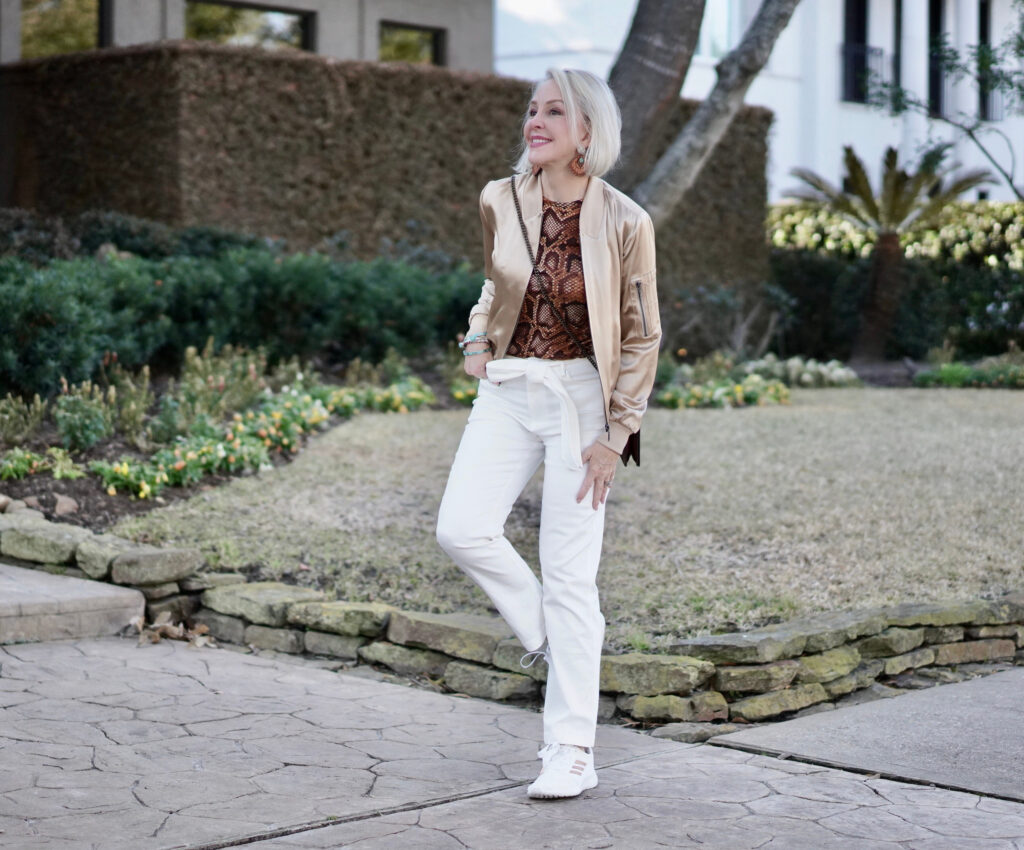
[99, 511]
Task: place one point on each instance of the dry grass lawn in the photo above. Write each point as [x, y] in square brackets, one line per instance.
[846, 498]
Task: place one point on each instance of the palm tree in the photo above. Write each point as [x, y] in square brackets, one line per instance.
[907, 205]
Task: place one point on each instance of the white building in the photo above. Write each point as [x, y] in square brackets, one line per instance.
[813, 82]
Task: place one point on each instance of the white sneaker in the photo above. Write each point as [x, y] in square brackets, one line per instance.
[567, 772]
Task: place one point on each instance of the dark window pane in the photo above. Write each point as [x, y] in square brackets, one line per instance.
[403, 43]
[49, 27]
[245, 26]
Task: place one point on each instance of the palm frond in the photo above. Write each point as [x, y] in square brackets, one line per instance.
[823, 193]
[931, 212]
[860, 185]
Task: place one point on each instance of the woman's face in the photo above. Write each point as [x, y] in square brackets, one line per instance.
[546, 130]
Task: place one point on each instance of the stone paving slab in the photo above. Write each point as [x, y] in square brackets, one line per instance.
[36, 606]
[967, 736]
[697, 797]
[107, 744]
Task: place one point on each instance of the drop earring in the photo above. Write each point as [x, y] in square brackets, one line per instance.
[578, 163]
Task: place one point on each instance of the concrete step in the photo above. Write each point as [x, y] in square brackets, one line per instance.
[37, 606]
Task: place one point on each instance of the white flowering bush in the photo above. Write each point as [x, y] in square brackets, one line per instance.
[798, 372]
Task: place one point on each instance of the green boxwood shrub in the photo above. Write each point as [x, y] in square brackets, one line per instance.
[60, 320]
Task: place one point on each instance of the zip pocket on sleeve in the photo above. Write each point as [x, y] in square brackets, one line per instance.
[643, 310]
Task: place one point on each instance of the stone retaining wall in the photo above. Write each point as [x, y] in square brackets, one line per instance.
[744, 677]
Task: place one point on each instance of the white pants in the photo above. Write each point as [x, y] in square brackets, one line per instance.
[515, 425]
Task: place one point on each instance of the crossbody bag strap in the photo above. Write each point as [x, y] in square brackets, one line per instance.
[540, 285]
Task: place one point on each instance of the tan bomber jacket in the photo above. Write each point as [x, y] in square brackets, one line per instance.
[617, 241]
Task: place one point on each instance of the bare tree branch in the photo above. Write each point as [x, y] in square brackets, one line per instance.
[663, 189]
[647, 77]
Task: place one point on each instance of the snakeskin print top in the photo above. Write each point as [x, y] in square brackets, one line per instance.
[538, 332]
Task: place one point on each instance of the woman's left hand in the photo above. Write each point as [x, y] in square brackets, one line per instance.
[600, 461]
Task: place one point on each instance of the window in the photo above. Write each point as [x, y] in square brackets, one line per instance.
[936, 79]
[715, 31]
[406, 43]
[897, 43]
[238, 24]
[49, 28]
[990, 103]
[859, 61]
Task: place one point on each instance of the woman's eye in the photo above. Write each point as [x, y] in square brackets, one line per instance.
[532, 113]
[556, 112]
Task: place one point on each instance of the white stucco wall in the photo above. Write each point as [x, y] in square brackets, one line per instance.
[802, 84]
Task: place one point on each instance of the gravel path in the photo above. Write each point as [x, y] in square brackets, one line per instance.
[846, 498]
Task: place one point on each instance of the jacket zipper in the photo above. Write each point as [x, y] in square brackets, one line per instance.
[643, 313]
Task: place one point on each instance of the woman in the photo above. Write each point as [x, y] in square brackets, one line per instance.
[566, 350]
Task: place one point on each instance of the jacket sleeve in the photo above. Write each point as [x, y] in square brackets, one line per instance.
[641, 335]
[480, 311]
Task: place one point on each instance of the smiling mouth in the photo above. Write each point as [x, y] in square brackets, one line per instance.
[539, 140]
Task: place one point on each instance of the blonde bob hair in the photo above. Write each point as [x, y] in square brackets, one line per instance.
[586, 96]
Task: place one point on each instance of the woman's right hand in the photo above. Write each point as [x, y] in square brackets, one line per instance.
[476, 364]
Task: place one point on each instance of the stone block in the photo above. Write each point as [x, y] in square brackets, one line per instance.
[509, 652]
[265, 603]
[893, 641]
[973, 650]
[693, 733]
[180, 607]
[754, 647]
[95, 554]
[152, 592]
[826, 631]
[1018, 657]
[337, 646]
[909, 661]
[405, 660]
[19, 517]
[221, 626]
[700, 707]
[342, 618]
[204, 581]
[43, 542]
[763, 706]
[485, 682]
[756, 678]
[1005, 609]
[636, 673]
[4, 502]
[862, 677]
[829, 665]
[934, 613]
[279, 640]
[467, 636]
[606, 708]
[1013, 632]
[150, 565]
[943, 634]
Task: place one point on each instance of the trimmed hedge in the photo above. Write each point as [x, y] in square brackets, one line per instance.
[60, 319]
[294, 145]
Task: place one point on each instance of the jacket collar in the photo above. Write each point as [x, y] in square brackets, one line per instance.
[591, 213]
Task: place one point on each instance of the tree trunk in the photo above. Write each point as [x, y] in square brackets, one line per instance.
[663, 189]
[647, 77]
[883, 300]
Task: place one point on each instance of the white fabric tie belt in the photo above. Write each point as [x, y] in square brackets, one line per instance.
[543, 372]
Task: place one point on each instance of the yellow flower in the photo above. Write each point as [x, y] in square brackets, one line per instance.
[111, 490]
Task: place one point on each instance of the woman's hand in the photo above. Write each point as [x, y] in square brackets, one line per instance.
[476, 364]
[600, 461]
